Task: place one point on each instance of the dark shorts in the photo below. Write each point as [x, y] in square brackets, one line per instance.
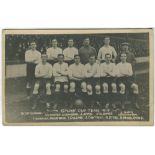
[128, 81]
[77, 85]
[93, 81]
[30, 70]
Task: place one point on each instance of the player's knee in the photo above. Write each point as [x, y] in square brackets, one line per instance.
[105, 88]
[89, 89]
[98, 89]
[122, 88]
[36, 87]
[114, 88]
[135, 88]
[48, 88]
[65, 88]
[57, 88]
[84, 87]
[72, 87]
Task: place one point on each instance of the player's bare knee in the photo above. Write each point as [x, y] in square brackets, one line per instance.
[89, 89]
[98, 89]
[36, 87]
[57, 87]
[72, 87]
[122, 88]
[105, 88]
[48, 88]
[66, 88]
[84, 87]
[135, 89]
[114, 88]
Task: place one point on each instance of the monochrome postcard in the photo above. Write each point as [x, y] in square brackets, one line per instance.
[78, 77]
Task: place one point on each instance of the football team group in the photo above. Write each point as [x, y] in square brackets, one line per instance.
[63, 77]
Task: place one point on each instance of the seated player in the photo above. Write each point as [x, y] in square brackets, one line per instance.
[70, 52]
[108, 81]
[92, 74]
[60, 73]
[126, 81]
[76, 75]
[43, 74]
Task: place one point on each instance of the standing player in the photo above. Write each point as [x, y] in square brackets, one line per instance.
[60, 73]
[53, 52]
[92, 74]
[32, 57]
[106, 49]
[76, 76]
[86, 50]
[43, 74]
[108, 80]
[126, 81]
[70, 52]
[130, 56]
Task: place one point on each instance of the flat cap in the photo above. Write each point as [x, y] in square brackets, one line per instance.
[125, 43]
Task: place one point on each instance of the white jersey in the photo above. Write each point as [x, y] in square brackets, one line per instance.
[108, 70]
[92, 70]
[33, 56]
[58, 70]
[104, 50]
[43, 70]
[52, 52]
[69, 53]
[124, 69]
[76, 70]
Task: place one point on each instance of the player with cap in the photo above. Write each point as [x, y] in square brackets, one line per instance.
[70, 52]
[106, 48]
[108, 81]
[86, 50]
[52, 52]
[32, 58]
[125, 80]
[60, 73]
[92, 74]
[76, 76]
[43, 74]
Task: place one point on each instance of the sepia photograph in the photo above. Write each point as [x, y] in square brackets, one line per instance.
[78, 77]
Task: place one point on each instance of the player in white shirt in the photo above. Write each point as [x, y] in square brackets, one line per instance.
[60, 73]
[70, 52]
[92, 75]
[106, 49]
[76, 76]
[43, 74]
[52, 52]
[32, 58]
[126, 81]
[108, 81]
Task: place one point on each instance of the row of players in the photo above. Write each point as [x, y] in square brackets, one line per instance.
[91, 81]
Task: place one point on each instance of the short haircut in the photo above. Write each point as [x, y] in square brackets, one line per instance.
[76, 55]
[60, 55]
[107, 54]
[106, 37]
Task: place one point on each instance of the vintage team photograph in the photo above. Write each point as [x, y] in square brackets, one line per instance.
[78, 77]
